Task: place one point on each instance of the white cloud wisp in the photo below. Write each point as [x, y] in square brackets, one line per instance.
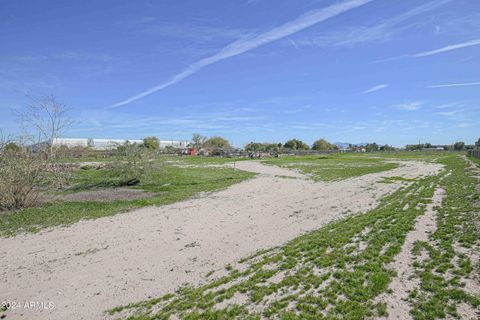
[447, 48]
[454, 85]
[376, 88]
[241, 46]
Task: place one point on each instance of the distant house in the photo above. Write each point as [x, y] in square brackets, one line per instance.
[106, 144]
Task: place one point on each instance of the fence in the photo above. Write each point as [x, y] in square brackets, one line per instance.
[474, 153]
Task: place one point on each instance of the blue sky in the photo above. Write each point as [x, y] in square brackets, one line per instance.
[393, 72]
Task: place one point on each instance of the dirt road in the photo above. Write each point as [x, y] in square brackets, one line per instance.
[94, 265]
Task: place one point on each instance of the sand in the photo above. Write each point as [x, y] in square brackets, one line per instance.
[95, 265]
[398, 307]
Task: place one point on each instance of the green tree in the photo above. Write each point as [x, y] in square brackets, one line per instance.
[459, 146]
[151, 143]
[262, 147]
[372, 147]
[198, 140]
[323, 145]
[387, 148]
[217, 142]
[296, 144]
[272, 147]
[255, 147]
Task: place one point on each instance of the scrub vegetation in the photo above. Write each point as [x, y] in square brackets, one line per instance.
[166, 183]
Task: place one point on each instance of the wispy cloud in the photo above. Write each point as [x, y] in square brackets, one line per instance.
[448, 48]
[360, 34]
[376, 88]
[448, 105]
[449, 113]
[454, 85]
[243, 45]
[411, 106]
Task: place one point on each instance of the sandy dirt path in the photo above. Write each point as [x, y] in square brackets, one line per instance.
[398, 307]
[94, 265]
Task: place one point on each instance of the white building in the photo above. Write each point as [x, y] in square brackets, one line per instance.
[108, 144]
[179, 144]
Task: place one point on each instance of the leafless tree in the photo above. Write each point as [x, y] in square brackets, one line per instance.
[25, 172]
[47, 118]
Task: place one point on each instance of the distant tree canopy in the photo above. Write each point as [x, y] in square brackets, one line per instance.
[262, 147]
[459, 146]
[420, 146]
[296, 144]
[387, 148]
[151, 143]
[477, 144]
[323, 145]
[198, 140]
[217, 142]
[372, 147]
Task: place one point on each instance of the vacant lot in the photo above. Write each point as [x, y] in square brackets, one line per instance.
[94, 193]
[354, 237]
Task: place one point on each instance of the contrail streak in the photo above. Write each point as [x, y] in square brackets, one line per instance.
[455, 85]
[241, 46]
[451, 47]
[448, 48]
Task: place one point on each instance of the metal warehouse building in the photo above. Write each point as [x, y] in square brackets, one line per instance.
[108, 144]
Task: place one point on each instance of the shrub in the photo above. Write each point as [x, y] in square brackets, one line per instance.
[12, 146]
[151, 143]
[132, 165]
[25, 171]
[22, 174]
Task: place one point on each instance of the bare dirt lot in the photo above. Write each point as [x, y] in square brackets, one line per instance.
[95, 265]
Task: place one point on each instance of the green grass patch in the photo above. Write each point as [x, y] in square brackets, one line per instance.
[333, 167]
[170, 182]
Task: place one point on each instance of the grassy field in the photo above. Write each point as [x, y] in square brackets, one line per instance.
[340, 270]
[169, 182]
[335, 166]
[175, 179]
